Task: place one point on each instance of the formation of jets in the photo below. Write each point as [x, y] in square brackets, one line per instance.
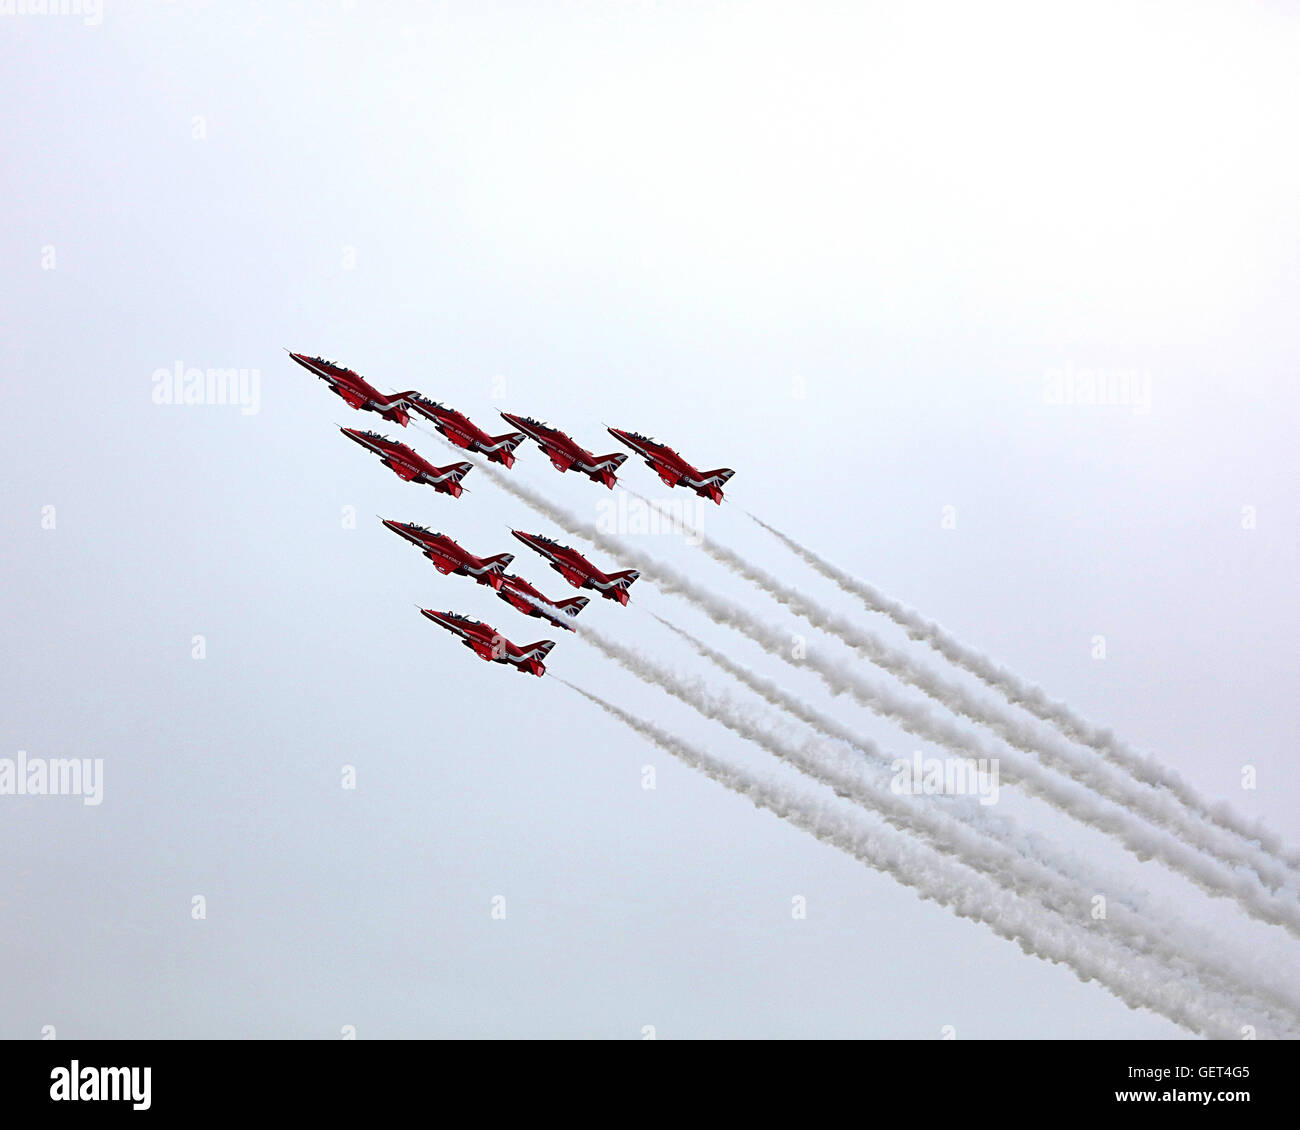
[450, 558]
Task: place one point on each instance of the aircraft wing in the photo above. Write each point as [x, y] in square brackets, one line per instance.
[667, 474]
[574, 578]
[539, 650]
[561, 461]
[403, 471]
[441, 563]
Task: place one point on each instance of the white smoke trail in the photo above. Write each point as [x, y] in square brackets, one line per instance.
[1033, 699]
[1039, 933]
[963, 808]
[1113, 782]
[1137, 837]
[980, 848]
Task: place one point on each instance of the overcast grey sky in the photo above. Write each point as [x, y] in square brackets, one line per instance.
[844, 249]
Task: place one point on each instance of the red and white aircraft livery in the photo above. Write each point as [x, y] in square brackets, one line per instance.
[448, 557]
[577, 570]
[565, 454]
[672, 468]
[458, 428]
[487, 643]
[518, 593]
[356, 390]
[409, 465]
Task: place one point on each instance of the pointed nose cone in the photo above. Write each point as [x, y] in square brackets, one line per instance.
[396, 527]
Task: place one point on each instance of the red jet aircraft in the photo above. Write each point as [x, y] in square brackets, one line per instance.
[518, 593]
[354, 388]
[409, 465]
[458, 428]
[487, 643]
[564, 453]
[672, 468]
[448, 557]
[577, 570]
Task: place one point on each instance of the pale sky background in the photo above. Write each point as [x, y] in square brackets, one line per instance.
[673, 218]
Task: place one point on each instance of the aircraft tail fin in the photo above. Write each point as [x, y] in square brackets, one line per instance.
[529, 660]
[618, 585]
[508, 440]
[573, 605]
[605, 468]
[624, 578]
[711, 483]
